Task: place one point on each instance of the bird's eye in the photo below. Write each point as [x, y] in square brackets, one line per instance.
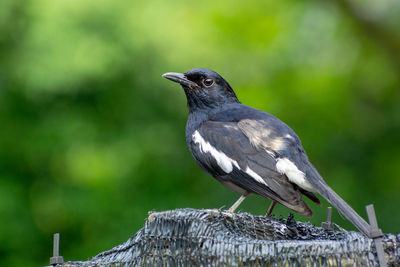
[208, 82]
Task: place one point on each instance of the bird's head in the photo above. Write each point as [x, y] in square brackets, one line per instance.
[204, 88]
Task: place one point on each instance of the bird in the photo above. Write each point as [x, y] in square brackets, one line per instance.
[250, 151]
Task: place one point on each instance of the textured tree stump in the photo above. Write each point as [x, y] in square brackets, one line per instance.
[189, 237]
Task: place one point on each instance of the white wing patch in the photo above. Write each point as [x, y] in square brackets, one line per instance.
[257, 177]
[285, 166]
[223, 160]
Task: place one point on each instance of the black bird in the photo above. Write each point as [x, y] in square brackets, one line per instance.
[250, 151]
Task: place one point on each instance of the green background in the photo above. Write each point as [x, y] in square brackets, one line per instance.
[92, 138]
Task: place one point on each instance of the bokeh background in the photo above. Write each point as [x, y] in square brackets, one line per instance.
[92, 138]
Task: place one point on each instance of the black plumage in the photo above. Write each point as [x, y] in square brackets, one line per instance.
[250, 151]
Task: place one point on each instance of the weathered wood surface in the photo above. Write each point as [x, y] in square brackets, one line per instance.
[189, 237]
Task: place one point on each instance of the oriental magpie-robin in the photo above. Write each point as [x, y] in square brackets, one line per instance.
[250, 151]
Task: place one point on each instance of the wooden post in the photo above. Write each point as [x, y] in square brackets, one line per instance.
[376, 234]
[56, 259]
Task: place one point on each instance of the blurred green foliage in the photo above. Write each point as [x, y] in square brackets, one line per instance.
[92, 138]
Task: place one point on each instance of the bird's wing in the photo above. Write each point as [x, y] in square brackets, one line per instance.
[284, 145]
[226, 152]
[267, 132]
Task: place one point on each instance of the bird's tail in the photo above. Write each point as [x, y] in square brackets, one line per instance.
[344, 208]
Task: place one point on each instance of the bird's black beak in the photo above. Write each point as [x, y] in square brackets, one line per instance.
[180, 78]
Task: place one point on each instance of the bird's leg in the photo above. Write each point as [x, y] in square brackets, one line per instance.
[237, 203]
[271, 207]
